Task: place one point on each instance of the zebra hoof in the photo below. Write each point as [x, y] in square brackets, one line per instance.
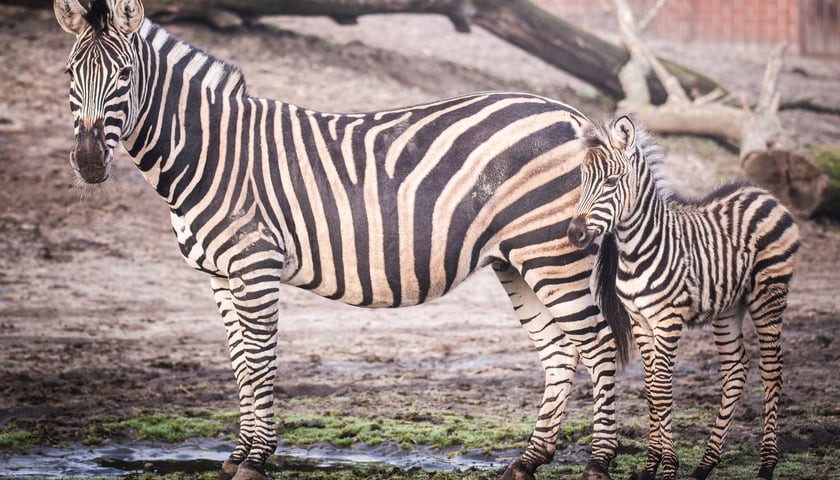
[517, 471]
[595, 472]
[250, 471]
[228, 470]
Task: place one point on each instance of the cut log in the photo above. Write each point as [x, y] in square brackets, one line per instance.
[519, 22]
[792, 178]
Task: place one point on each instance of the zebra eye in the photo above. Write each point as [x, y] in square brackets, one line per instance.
[611, 181]
[125, 73]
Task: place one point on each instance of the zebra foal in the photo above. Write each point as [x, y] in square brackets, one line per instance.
[674, 262]
[382, 209]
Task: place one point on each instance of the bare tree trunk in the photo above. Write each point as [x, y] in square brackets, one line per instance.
[555, 41]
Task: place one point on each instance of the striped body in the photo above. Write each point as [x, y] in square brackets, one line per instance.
[691, 263]
[381, 209]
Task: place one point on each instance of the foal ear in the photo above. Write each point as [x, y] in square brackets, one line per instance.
[70, 15]
[623, 132]
[128, 15]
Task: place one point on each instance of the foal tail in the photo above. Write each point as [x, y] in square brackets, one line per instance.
[606, 297]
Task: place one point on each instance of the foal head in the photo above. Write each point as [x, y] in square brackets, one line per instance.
[607, 177]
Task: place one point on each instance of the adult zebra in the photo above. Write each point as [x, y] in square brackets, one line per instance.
[383, 209]
[674, 262]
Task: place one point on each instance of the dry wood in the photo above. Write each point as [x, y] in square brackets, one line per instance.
[764, 146]
[519, 22]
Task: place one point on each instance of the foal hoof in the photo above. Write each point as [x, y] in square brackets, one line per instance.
[517, 471]
[228, 470]
[766, 472]
[250, 471]
[594, 472]
[643, 475]
[700, 473]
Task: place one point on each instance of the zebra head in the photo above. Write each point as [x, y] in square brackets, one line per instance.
[606, 174]
[103, 79]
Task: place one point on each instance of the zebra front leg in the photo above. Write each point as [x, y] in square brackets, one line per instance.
[734, 365]
[255, 295]
[224, 300]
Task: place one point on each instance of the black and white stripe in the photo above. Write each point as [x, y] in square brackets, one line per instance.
[380, 209]
[681, 262]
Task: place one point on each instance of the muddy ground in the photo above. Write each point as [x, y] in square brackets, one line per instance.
[99, 316]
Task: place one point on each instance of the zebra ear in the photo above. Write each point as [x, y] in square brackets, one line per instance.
[623, 132]
[128, 15]
[70, 15]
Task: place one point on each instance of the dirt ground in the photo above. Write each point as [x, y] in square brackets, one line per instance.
[99, 316]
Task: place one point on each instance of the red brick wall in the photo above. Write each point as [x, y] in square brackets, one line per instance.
[760, 22]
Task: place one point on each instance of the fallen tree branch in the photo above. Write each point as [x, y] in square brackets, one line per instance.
[764, 128]
[809, 105]
[519, 22]
[764, 148]
[651, 15]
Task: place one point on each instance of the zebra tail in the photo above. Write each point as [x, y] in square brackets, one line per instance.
[606, 296]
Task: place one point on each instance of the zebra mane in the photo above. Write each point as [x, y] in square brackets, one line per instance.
[98, 14]
[220, 71]
[597, 137]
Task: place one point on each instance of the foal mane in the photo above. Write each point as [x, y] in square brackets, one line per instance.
[644, 148]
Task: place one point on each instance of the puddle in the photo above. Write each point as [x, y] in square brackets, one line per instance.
[200, 455]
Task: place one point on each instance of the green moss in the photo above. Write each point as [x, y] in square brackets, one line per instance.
[828, 158]
[173, 427]
[437, 430]
[16, 438]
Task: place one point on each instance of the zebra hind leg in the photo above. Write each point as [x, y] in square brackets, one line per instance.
[559, 369]
[559, 353]
[734, 365]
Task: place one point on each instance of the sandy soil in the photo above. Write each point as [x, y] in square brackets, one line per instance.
[100, 316]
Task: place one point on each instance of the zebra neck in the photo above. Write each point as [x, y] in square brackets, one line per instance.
[182, 90]
[649, 223]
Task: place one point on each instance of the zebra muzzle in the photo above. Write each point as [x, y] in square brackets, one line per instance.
[580, 234]
[90, 157]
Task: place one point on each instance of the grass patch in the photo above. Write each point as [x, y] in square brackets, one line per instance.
[15, 438]
[174, 427]
[436, 430]
[739, 462]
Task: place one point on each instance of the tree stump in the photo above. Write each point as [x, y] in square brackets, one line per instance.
[795, 180]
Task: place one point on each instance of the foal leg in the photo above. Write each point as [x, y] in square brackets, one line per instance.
[666, 336]
[644, 339]
[734, 365]
[766, 310]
